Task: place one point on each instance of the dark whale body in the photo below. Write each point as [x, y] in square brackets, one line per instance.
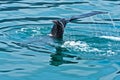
[59, 25]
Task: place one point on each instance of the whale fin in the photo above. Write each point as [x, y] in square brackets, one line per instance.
[59, 25]
[86, 15]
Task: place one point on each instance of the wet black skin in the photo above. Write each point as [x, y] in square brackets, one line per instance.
[58, 28]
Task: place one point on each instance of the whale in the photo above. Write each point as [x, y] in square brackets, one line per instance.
[56, 33]
[57, 30]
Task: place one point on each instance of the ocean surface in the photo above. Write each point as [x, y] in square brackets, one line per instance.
[90, 49]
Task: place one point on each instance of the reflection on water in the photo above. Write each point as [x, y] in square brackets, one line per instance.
[58, 58]
[88, 51]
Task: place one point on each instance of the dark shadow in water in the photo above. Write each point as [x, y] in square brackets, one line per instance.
[57, 3]
[58, 58]
[118, 72]
[25, 54]
[1, 34]
[53, 4]
[6, 71]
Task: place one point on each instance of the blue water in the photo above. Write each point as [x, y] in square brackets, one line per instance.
[89, 50]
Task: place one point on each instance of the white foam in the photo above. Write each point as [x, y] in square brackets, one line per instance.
[111, 38]
[79, 46]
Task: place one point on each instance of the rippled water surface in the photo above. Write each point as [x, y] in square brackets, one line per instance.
[90, 49]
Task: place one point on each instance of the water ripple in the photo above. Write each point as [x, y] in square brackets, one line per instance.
[54, 3]
[6, 71]
[17, 8]
[26, 49]
[38, 5]
[8, 1]
[9, 45]
[33, 48]
[6, 50]
[29, 19]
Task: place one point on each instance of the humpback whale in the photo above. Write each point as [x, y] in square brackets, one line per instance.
[57, 30]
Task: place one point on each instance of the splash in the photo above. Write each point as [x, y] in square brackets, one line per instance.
[88, 51]
[79, 46]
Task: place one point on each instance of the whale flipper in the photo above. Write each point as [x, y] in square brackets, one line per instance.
[86, 15]
[59, 25]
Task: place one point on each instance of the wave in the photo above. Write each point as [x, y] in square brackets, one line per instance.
[111, 38]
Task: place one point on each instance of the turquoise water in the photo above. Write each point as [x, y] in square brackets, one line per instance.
[89, 50]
